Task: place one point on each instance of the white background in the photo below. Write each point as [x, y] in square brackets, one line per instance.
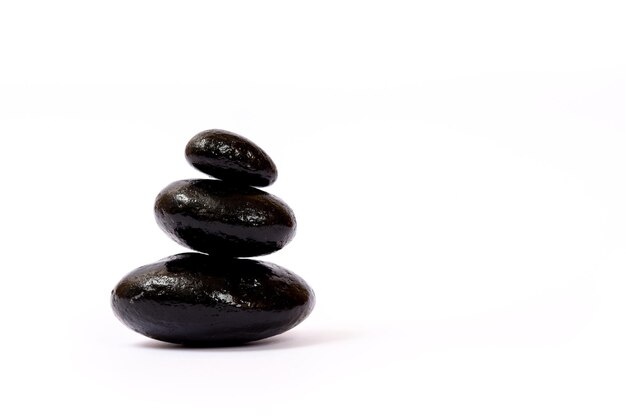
[457, 169]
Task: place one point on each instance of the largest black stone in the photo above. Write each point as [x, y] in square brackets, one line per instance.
[223, 219]
[192, 298]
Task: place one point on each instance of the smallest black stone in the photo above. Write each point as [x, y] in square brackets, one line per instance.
[230, 157]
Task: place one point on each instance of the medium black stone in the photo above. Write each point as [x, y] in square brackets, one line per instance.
[224, 219]
[192, 298]
[230, 157]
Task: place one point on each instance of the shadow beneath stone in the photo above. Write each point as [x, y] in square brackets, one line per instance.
[284, 341]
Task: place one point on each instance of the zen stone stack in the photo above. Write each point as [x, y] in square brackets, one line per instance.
[214, 297]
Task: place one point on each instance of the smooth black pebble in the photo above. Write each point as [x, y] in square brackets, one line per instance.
[230, 157]
[224, 219]
[197, 299]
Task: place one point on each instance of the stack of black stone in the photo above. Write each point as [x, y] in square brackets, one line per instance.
[214, 297]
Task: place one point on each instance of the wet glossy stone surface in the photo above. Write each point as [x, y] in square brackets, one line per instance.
[198, 299]
[223, 219]
[230, 157]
